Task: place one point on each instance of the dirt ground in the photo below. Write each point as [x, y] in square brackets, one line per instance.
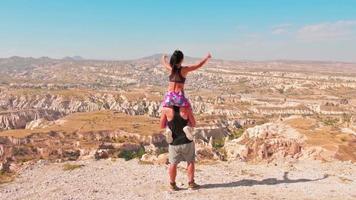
[119, 179]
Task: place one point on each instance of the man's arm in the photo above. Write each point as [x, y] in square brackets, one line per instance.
[165, 63]
[163, 120]
[198, 65]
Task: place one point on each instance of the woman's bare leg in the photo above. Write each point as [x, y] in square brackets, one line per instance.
[192, 121]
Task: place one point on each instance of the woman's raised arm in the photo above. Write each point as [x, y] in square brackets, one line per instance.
[165, 63]
[163, 120]
[190, 68]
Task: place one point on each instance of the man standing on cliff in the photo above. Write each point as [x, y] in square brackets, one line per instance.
[180, 147]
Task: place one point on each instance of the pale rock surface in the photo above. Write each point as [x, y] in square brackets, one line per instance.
[38, 123]
[266, 142]
[119, 179]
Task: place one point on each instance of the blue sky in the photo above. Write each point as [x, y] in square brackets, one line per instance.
[230, 29]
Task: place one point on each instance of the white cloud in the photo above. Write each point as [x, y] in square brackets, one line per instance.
[281, 29]
[342, 29]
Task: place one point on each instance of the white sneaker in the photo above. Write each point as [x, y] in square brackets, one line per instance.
[168, 134]
[189, 132]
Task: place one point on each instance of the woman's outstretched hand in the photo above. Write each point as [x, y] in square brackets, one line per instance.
[164, 56]
[164, 62]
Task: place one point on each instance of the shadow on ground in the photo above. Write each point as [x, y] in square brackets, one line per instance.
[268, 181]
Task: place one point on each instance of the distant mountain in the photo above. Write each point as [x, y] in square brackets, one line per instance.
[158, 56]
[76, 58]
[154, 56]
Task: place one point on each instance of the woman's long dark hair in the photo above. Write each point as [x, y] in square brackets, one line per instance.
[176, 59]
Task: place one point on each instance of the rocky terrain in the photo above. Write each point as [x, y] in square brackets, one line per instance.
[119, 179]
[57, 111]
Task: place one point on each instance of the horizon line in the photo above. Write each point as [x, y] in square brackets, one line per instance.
[81, 58]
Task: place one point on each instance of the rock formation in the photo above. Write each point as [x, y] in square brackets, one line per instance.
[266, 142]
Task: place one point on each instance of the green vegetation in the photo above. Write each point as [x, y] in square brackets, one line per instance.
[19, 151]
[218, 143]
[236, 133]
[280, 90]
[128, 155]
[162, 150]
[145, 162]
[330, 121]
[6, 177]
[24, 159]
[223, 154]
[346, 118]
[70, 167]
[121, 139]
